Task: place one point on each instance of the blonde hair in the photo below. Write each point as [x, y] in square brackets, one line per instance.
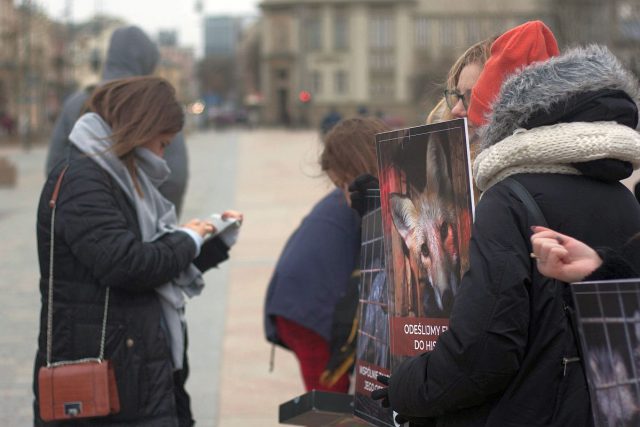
[476, 54]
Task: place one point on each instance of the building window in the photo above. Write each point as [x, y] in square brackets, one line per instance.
[474, 31]
[316, 82]
[281, 33]
[382, 89]
[342, 85]
[422, 29]
[312, 29]
[382, 61]
[381, 31]
[448, 32]
[341, 30]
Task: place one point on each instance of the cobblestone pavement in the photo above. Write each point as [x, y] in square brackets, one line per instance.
[270, 175]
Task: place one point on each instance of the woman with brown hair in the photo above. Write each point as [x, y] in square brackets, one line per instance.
[315, 270]
[108, 241]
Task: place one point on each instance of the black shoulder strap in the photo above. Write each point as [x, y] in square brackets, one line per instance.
[535, 214]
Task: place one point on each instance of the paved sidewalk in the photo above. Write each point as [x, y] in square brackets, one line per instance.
[277, 183]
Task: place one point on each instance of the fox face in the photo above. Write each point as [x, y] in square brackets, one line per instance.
[428, 226]
[429, 235]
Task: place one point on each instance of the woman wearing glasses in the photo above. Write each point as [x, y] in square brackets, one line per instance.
[460, 80]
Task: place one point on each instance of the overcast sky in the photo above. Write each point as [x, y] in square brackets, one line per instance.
[153, 15]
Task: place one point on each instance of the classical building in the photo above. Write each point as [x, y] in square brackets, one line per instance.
[88, 46]
[221, 35]
[9, 26]
[177, 65]
[385, 56]
[615, 23]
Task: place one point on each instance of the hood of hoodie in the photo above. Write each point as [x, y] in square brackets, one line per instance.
[131, 53]
[540, 87]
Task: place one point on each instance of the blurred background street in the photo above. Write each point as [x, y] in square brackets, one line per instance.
[273, 178]
[257, 80]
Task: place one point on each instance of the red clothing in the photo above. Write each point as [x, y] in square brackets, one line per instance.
[312, 352]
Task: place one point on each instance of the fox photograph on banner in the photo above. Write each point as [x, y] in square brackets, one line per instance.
[608, 319]
[372, 351]
[427, 211]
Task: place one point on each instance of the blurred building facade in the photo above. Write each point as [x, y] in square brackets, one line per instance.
[221, 35]
[228, 72]
[43, 60]
[177, 65]
[39, 74]
[392, 56]
[615, 23]
[382, 56]
[9, 26]
[87, 47]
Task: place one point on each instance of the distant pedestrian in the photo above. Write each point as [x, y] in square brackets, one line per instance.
[116, 243]
[330, 120]
[131, 53]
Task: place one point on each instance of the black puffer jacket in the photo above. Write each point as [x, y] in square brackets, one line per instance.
[98, 244]
[501, 362]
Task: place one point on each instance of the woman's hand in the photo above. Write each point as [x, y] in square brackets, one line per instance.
[199, 226]
[562, 257]
[232, 214]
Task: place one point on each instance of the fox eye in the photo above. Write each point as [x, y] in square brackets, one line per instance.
[424, 249]
[444, 231]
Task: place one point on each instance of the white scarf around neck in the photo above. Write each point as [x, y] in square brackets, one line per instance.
[552, 149]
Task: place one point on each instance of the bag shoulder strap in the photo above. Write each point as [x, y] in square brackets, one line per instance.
[53, 205]
[536, 215]
[525, 197]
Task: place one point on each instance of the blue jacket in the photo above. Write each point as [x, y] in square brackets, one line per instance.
[313, 271]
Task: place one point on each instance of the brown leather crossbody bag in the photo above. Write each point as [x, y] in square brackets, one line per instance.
[83, 388]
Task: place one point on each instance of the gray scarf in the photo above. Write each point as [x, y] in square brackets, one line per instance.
[156, 216]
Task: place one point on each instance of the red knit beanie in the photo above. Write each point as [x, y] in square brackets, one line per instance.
[527, 43]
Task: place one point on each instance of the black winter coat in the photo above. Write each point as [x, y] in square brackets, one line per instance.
[98, 245]
[501, 362]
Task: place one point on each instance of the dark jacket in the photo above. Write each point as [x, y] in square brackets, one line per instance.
[501, 361]
[502, 356]
[315, 267]
[618, 263]
[98, 245]
[131, 53]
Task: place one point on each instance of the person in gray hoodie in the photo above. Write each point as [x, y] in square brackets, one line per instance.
[131, 53]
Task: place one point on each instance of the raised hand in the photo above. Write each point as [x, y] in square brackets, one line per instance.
[562, 257]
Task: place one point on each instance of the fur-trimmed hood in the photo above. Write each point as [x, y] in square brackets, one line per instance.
[538, 87]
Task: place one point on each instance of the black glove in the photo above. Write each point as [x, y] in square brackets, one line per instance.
[358, 192]
[382, 394]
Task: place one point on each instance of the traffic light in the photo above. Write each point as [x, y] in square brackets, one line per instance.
[304, 96]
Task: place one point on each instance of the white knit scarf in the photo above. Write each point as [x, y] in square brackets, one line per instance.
[552, 149]
[156, 216]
